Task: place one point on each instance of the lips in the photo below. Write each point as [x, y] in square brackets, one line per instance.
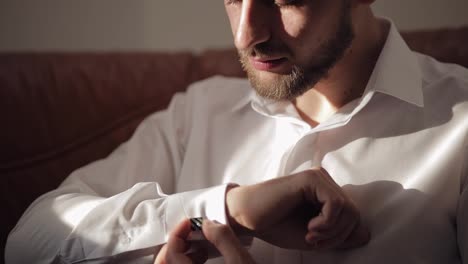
[267, 64]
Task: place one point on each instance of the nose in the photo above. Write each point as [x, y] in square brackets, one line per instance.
[253, 27]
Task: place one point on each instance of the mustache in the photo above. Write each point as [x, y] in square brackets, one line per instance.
[265, 50]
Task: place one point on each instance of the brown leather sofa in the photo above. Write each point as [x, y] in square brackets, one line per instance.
[60, 111]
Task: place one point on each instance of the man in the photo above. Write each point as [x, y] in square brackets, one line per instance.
[345, 130]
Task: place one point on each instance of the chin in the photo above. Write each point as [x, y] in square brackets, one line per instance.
[263, 80]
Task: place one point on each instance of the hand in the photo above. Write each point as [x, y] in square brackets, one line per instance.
[220, 236]
[306, 211]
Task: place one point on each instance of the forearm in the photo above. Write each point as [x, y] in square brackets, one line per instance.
[77, 226]
[247, 210]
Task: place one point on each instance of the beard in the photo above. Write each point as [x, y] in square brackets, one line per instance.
[301, 77]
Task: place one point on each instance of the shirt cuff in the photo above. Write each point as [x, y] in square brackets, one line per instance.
[209, 203]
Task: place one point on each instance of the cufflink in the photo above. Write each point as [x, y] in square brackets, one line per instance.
[198, 240]
[196, 223]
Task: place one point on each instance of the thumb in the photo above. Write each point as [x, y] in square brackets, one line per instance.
[359, 237]
[224, 239]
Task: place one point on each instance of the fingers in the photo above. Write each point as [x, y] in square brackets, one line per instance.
[359, 236]
[333, 226]
[338, 225]
[175, 249]
[182, 230]
[162, 254]
[177, 244]
[331, 210]
[331, 238]
[168, 256]
[221, 236]
[334, 203]
[224, 239]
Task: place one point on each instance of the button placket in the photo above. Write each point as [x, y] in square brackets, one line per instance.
[302, 148]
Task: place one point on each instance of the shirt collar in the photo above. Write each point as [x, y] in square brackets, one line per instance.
[396, 73]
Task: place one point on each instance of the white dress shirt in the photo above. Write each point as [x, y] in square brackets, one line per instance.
[400, 152]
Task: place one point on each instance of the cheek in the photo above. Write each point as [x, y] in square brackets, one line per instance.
[309, 23]
[234, 18]
[300, 34]
[293, 26]
[306, 29]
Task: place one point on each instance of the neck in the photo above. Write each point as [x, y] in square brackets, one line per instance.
[348, 79]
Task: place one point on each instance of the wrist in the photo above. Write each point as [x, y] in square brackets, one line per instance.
[233, 212]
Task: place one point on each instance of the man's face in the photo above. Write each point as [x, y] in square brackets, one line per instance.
[287, 46]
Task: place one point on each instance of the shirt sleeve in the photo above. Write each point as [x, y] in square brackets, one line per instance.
[116, 207]
[462, 214]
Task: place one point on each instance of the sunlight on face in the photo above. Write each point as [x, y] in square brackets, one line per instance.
[283, 62]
